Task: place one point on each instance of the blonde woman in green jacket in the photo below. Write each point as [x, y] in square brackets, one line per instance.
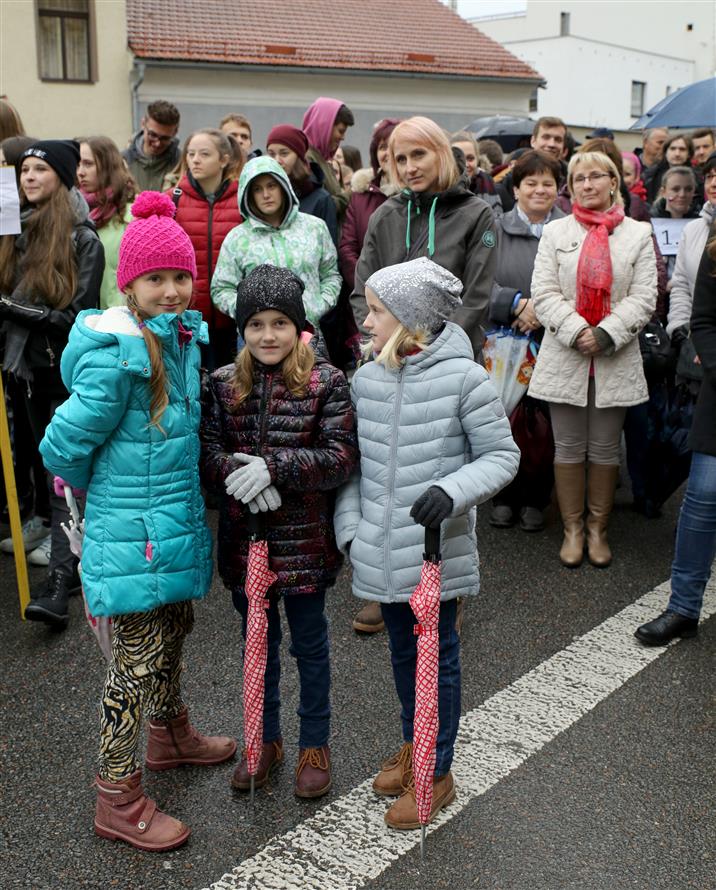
[109, 189]
[275, 232]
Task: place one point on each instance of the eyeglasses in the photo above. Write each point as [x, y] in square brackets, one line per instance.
[155, 137]
[592, 177]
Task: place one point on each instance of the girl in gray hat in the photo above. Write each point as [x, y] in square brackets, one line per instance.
[434, 442]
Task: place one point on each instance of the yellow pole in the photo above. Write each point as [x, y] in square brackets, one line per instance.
[8, 469]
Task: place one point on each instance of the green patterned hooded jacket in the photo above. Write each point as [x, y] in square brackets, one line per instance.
[300, 243]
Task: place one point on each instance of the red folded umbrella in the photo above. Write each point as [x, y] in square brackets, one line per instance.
[425, 603]
[259, 578]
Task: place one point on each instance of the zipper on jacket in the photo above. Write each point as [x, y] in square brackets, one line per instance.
[210, 202]
[25, 307]
[391, 482]
[263, 406]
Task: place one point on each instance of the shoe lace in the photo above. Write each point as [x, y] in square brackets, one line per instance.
[405, 760]
[314, 757]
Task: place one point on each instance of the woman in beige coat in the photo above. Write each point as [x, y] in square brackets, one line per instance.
[593, 289]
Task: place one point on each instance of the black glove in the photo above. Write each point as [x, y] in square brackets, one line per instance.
[678, 335]
[432, 507]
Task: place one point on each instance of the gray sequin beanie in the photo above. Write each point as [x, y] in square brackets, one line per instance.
[270, 287]
[419, 293]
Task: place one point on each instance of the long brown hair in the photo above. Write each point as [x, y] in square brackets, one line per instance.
[112, 176]
[158, 381]
[296, 372]
[48, 267]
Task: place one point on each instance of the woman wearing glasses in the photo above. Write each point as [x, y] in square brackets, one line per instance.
[593, 290]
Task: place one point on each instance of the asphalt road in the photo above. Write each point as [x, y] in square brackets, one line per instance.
[623, 799]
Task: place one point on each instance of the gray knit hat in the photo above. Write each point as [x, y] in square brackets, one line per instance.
[419, 293]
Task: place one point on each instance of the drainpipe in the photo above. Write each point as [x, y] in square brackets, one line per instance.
[136, 79]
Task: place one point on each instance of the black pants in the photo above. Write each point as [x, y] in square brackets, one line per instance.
[26, 457]
[42, 398]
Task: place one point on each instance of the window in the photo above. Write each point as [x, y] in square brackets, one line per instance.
[64, 40]
[533, 100]
[638, 90]
[564, 24]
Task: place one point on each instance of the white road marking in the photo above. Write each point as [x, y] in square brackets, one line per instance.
[346, 844]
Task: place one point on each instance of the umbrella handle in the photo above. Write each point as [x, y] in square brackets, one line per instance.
[432, 545]
[257, 527]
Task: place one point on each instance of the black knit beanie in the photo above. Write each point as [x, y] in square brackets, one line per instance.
[63, 155]
[269, 287]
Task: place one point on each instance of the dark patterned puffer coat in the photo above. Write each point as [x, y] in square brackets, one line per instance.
[310, 447]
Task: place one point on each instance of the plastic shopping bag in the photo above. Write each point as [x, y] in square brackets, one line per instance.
[509, 360]
[101, 627]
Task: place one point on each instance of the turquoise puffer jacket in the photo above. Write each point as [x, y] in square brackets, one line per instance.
[146, 540]
[301, 243]
[435, 421]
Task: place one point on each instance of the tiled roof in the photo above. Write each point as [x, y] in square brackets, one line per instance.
[421, 36]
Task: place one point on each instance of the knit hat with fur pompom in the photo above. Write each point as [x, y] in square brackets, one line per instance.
[153, 240]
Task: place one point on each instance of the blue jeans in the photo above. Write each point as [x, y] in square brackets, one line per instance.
[309, 646]
[400, 621]
[695, 538]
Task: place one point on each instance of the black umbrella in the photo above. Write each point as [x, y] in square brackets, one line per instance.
[510, 132]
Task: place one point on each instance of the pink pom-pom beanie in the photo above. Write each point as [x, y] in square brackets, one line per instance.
[153, 240]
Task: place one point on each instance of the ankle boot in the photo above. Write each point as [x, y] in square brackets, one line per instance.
[173, 742]
[125, 813]
[601, 483]
[569, 482]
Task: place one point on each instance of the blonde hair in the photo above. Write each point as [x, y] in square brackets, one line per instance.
[428, 134]
[296, 371]
[400, 343]
[601, 162]
[159, 399]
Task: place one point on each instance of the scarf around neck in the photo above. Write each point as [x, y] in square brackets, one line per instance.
[102, 209]
[594, 268]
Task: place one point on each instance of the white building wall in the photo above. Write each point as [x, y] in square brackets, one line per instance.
[656, 26]
[204, 95]
[589, 83]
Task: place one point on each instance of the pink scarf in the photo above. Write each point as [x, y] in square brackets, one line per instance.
[101, 207]
[318, 124]
[594, 268]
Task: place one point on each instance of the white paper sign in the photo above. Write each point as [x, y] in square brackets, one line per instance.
[668, 234]
[9, 202]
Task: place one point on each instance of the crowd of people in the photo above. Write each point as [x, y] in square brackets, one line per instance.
[179, 328]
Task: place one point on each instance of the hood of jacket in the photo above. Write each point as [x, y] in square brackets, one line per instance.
[318, 124]
[95, 328]
[365, 180]
[708, 212]
[188, 184]
[432, 205]
[450, 342]
[259, 167]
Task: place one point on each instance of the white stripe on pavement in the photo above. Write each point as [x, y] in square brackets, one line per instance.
[346, 844]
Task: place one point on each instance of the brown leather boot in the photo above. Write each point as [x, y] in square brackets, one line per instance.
[313, 773]
[173, 742]
[125, 813]
[396, 773]
[569, 481]
[271, 758]
[601, 484]
[403, 815]
[370, 619]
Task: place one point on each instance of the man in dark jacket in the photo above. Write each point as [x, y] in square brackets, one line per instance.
[549, 136]
[154, 150]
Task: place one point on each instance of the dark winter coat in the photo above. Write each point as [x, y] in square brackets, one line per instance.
[516, 252]
[207, 222]
[310, 447]
[35, 333]
[367, 195]
[315, 200]
[703, 332]
[464, 243]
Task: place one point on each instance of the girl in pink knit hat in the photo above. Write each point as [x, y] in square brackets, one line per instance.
[128, 434]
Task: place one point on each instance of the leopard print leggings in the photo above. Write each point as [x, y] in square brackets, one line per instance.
[142, 680]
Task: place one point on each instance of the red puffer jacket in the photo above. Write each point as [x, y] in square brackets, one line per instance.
[310, 447]
[207, 224]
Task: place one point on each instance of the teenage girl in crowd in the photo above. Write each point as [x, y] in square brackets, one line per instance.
[48, 273]
[288, 145]
[277, 435]
[130, 427]
[275, 232]
[434, 442]
[207, 210]
[109, 189]
[325, 124]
